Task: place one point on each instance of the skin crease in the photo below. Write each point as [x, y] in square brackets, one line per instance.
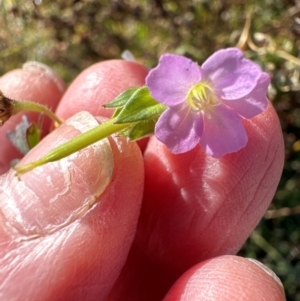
[193, 205]
[194, 208]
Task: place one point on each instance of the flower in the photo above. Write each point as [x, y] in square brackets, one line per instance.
[206, 105]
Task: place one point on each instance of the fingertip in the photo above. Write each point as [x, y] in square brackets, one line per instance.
[35, 82]
[60, 222]
[63, 191]
[226, 278]
[99, 84]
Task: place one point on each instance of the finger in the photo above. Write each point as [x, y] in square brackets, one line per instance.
[67, 226]
[35, 82]
[196, 207]
[99, 84]
[227, 278]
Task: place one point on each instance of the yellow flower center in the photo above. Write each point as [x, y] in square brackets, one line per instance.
[201, 97]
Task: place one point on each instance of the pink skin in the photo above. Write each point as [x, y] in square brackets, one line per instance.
[210, 280]
[61, 244]
[32, 82]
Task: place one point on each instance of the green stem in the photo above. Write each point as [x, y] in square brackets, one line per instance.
[83, 140]
[18, 106]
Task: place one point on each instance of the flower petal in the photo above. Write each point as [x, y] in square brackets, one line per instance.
[179, 128]
[171, 80]
[255, 102]
[231, 74]
[223, 132]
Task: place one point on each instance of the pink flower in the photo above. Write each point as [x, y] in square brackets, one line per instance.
[205, 104]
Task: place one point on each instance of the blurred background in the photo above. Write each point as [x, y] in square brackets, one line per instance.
[70, 35]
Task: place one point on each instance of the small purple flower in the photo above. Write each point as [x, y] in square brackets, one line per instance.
[206, 104]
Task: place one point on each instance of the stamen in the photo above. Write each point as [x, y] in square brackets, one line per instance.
[201, 97]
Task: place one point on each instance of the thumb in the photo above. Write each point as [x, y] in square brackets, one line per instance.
[67, 226]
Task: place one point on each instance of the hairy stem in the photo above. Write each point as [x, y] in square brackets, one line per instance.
[83, 140]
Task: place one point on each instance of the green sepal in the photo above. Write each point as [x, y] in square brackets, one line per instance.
[33, 135]
[116, 112]
[141, 106]
[124, 133]
[138, 130]
[121, 99]
[142, 129]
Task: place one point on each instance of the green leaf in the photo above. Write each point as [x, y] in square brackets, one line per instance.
[33, 135]
[124, 133]
[121, 99]
[116, 112]
[140, 106]
[142, 129]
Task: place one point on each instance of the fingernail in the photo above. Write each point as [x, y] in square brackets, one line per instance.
[44, 70]
[56, 194]
[269, 272]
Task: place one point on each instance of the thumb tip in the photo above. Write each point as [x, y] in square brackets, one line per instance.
[55, 194]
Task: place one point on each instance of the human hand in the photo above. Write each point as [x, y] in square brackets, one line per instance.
[62, 239]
